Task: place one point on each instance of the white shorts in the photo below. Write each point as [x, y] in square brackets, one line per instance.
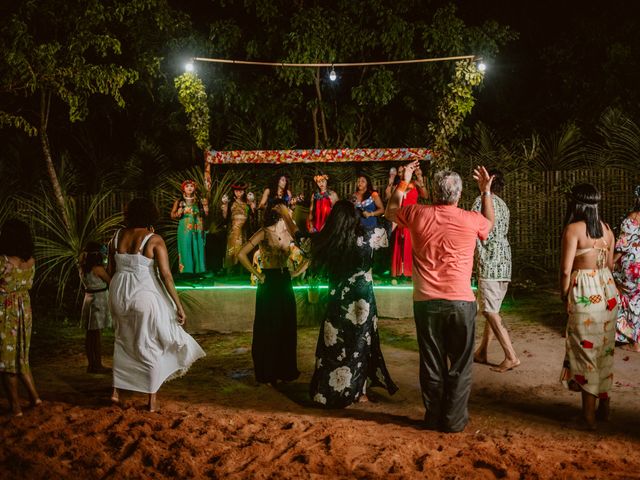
[491, 293]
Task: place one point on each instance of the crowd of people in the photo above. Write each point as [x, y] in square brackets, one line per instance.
[436, 243]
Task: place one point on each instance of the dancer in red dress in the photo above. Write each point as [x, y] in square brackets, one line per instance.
[321, 203]
[401, 256]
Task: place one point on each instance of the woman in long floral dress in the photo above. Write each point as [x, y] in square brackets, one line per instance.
[17, 268]
[627, 275]
[591, 298]
[190, 211]
[348, 350]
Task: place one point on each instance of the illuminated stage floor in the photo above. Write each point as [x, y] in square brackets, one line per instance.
[230, 306]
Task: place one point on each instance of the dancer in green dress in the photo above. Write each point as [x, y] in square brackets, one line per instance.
[190, 210]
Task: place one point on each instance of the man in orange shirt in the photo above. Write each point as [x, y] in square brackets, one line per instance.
[444, 308]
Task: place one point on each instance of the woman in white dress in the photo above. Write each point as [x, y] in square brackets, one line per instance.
[150, 343]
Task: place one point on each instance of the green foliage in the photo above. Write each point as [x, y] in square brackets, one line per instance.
[58, 247]
[302, 108]
[193, 97]
[455, 106]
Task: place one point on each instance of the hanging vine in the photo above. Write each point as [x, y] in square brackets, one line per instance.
[455, 106]
[193, 97]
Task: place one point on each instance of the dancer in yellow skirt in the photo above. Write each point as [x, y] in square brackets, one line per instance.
[590, 295]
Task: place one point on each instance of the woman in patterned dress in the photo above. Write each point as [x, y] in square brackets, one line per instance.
[590, 295]
[348, 350]
[627, 276]
[236, 213]
[17, 268]
[190, 211]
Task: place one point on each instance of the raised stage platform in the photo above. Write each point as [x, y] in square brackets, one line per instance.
[231, 308]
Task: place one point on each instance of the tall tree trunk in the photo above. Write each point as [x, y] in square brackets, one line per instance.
[316, 133]
[325, 134]
[45, 103]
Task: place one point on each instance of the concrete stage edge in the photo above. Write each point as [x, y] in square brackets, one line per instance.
[231, 309]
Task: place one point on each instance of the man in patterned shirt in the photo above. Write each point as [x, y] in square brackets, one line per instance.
[493, 257]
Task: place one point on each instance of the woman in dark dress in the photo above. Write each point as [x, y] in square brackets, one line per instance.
[348, 349]
[275, 325]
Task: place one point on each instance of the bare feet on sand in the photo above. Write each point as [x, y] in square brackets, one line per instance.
[115, 397]
[363, 399]
[480, 358]
[506, 365]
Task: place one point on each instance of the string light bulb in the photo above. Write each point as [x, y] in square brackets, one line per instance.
[332, 75]
[189, 67]
[482, 67]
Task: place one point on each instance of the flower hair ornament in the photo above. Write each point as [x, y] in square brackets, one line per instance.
[317, 178]
[188, 182]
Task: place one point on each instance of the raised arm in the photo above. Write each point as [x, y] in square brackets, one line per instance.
[484, 180]
[161, 257]
[264, 199]
[396, 197]
[246, 250]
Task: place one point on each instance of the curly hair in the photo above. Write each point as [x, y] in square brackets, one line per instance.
[370, 189]
[91, 257]
[271, 216]
[334, 250]
[16, 239]
[140, 213]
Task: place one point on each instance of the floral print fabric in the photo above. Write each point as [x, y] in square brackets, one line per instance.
[493, 255]
[15, 317]
[590, 340]
[627, 276]
[348, 349]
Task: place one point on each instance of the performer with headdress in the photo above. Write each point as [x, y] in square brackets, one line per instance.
[236, 212]
[190, 210]
[321, 203]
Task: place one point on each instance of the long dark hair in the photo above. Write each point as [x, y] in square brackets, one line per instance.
[334, 250]
[583, 207]
[16, 239]
[92, 257]
[271, 216]
[273, 186]
[367, 193]
[636, 193]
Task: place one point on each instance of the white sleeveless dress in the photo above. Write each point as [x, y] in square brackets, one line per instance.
[150, 345]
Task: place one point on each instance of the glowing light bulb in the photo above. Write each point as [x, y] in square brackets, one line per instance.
[482, 67]
[189, 67]
[332, 75]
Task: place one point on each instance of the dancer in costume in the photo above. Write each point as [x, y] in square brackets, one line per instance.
[590, 295]
[237, 214]
[348, 354]
[321, 203]
[275, 338]
[367, 202]
[190, 211]
[401, 255]
[278, 189]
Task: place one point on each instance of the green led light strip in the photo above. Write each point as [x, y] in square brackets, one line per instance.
[297, 287]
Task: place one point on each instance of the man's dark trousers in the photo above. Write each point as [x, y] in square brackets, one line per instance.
[446, 335]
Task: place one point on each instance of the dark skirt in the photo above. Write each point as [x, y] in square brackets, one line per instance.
[275, 333]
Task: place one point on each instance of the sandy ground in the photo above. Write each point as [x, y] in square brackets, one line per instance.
[216, 422]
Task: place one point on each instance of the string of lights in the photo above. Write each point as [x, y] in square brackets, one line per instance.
[332, 75]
